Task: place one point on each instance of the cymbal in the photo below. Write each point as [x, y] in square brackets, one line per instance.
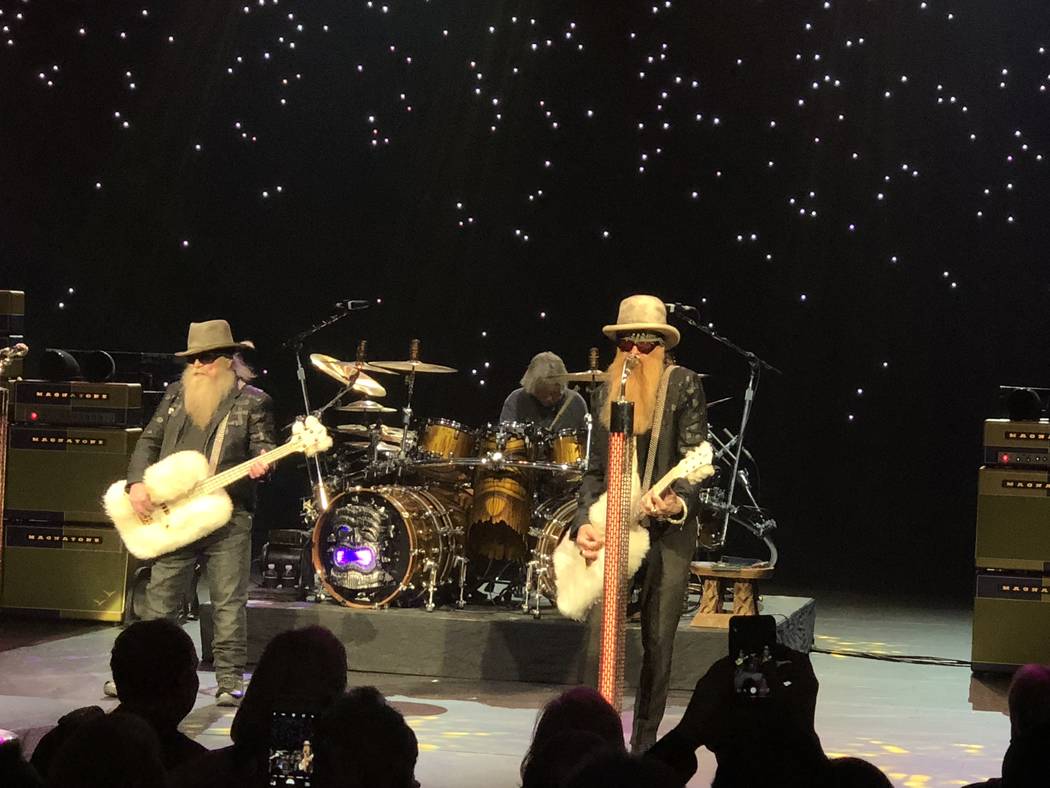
[718, 401]
[366, 406]
[363, 431]
[367, 366]
[588, 376]
[413, 366]
[347, 373]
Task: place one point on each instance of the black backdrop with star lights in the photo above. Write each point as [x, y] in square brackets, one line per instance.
[850, 189]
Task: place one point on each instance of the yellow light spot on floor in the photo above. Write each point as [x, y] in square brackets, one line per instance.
[836, 754]
[917, 781]
[894, 749]
[896, 775]
[455, 733]
[428, 747]
[969, 746]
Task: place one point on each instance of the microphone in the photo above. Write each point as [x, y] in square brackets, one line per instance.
[353, 304]
[674, 306]
[12, 352]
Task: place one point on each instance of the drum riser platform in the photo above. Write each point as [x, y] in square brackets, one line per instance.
[479, 643]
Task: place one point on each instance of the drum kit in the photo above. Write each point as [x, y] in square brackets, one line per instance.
[422, 513]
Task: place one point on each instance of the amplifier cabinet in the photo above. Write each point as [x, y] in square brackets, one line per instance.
[1011, 620]
[77, 404]
[1013, 519]
[71, 570]
[59, 474]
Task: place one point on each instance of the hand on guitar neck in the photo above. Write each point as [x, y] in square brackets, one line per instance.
[143, 504]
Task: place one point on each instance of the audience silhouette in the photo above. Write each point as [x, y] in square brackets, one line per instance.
[300, 671]
[109, 751]
[360, 741]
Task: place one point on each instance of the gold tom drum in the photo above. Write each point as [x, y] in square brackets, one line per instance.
[551, 524]
[569, 447]
[502, 509]
[444, 439]
[387, 545]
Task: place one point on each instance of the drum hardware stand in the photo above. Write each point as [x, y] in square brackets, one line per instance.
[462, 560]
[295, 344]
[406, 420]
[756, 365]
[430, 565]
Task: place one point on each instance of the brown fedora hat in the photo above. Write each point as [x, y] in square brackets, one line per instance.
[212, 335]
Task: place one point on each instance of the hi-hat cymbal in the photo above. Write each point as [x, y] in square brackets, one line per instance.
[363, 431]
[366, 406]
[588, 376]
[349, 374]
[413, 366]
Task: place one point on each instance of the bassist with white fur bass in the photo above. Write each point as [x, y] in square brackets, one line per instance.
[669, 410]
[212, 410]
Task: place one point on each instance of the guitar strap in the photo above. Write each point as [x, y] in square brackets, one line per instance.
[216, 447]
[658, 421]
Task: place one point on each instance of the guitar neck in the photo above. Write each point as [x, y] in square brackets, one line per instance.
[237, 472]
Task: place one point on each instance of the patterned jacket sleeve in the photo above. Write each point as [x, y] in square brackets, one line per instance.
[147, 449]
[690, 431]
[260, 424]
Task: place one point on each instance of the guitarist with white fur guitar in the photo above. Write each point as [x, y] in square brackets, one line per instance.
[214, 412]
[671, 400]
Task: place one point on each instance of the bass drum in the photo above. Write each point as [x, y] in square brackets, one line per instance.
[550, 524]
[378, 546]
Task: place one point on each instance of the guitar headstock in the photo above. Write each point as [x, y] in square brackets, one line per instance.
[697, 464]
[311, 436]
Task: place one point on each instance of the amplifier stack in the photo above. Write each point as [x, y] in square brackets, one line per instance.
[1011, 618]
[66, 442]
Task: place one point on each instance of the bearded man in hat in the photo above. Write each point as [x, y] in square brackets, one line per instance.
[641, 332]
[212, 410]
[544, 399]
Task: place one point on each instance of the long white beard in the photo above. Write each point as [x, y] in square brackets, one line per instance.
[203, 393]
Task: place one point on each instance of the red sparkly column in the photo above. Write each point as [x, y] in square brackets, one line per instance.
[618, 512]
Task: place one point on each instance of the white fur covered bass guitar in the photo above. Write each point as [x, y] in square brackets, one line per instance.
[189, 503]
[579, 583]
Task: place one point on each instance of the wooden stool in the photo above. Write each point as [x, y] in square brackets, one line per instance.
[715, 577]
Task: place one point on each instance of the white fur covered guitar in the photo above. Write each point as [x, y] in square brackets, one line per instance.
[190, 504]
[579, 583]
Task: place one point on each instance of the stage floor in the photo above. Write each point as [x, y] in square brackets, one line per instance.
[925, 726]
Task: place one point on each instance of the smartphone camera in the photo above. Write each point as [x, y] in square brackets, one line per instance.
[751, 641]
[291, 754]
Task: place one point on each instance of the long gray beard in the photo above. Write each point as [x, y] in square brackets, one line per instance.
[202, 394]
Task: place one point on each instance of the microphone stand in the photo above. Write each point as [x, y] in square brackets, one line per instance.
[295, 344]
[756, 366]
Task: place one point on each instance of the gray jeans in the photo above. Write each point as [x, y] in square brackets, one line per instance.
[227, 553]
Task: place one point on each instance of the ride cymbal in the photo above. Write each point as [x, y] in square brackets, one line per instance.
[413, 366]
[588, 376]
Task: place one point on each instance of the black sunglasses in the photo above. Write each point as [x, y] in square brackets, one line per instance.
[206, 358]
[645, 348]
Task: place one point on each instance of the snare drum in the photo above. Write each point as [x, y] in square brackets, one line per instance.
[550, 524]
[499, 519]
[387, 545]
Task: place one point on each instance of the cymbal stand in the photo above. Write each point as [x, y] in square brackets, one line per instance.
[295, 344]
[756, 365]
[406, 420]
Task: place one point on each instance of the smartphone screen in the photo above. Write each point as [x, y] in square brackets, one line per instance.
[751, 641]
[291, 754]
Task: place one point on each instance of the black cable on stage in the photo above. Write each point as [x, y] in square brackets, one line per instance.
[943, 662]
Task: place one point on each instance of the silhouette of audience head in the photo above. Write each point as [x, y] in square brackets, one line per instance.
[1027, 760]
[15, 772]
[619, 770]
[1029, 699]
[854, 773]
[110, 751]
[553, 762]
[154, 666]
[302, 670]
[577, 709]
[361, 741]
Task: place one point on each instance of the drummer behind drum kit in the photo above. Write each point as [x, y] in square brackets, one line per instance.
[413, 507]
